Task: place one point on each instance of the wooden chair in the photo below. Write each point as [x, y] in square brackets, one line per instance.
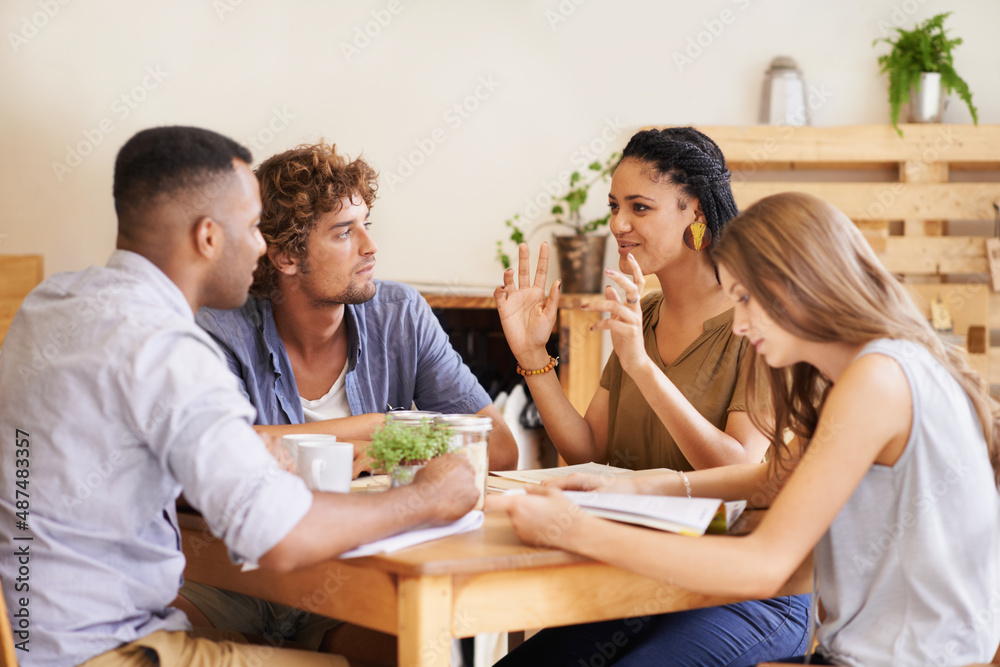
[18, 275]
[8, 655]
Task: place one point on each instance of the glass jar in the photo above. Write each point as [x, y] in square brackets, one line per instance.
[470, 436]
[410, 417]
[403, 473]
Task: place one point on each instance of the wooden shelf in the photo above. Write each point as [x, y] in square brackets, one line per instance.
[921, 196]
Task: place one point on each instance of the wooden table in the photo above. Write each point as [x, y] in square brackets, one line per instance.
[482, 581]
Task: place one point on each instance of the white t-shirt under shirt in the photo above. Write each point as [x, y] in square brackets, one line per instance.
[333, 405]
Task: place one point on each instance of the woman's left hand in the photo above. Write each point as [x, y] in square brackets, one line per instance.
[625, 321]
[544, 517]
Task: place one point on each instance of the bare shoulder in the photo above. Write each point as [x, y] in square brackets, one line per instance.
[875, 391]
[875, 373]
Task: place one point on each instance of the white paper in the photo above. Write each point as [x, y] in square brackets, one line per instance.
[734, 508]
[470, 521]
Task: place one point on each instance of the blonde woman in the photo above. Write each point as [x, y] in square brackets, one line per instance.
[891, 476]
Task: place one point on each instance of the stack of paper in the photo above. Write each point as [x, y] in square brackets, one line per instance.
[470, 521]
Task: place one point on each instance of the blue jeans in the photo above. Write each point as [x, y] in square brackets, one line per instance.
[736, 635]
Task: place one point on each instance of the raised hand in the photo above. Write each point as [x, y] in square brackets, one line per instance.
[526, 315]
[625, 321]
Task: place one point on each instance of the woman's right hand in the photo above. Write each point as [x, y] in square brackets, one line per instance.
[586, 482]
[526, 315]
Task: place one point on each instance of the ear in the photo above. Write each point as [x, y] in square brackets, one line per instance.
[208, 237]
[283, 261]
[699, 215]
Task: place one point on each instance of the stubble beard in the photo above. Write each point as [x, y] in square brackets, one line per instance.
[354, 294]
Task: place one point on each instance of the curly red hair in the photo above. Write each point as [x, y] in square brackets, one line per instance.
[298, 186]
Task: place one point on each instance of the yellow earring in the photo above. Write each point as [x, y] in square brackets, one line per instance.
[697, 236]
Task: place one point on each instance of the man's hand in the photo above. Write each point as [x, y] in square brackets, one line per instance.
[361, 461]
[448, 483]
[278, 451]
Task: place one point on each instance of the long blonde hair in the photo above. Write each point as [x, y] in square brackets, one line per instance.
[816, 277]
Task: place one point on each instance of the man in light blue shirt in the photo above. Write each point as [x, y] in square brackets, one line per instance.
[113, 401]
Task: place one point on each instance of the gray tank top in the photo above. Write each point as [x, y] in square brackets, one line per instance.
[909, 571]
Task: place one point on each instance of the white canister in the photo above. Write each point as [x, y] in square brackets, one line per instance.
[784, 97]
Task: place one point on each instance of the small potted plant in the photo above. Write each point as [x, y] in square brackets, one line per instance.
[402, 449]
[581, 254]
[920, 67]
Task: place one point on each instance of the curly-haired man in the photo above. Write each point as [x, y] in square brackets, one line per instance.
[321, 346]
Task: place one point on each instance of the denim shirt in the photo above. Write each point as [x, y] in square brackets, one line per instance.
[397, 355]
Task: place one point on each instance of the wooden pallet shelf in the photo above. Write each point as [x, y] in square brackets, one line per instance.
[904, 209]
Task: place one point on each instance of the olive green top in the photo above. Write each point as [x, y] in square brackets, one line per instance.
[711, 373]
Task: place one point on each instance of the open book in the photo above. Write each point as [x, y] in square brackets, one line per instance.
[687, 516]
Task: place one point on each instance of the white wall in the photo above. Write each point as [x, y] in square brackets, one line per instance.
[560, 73]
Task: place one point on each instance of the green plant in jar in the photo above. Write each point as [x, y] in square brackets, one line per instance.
[397, 444]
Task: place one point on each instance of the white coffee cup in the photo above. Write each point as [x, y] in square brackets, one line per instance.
[326, 465]
[291, 442]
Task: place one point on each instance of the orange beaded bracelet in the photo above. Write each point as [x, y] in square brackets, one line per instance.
[553, 362]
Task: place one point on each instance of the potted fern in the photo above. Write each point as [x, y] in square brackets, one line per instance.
[581, 253]
[921, 72]
[401, 449]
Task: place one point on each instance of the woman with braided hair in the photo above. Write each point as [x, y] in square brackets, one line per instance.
[673, 393]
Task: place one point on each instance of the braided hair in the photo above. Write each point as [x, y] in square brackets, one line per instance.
[695, 163]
